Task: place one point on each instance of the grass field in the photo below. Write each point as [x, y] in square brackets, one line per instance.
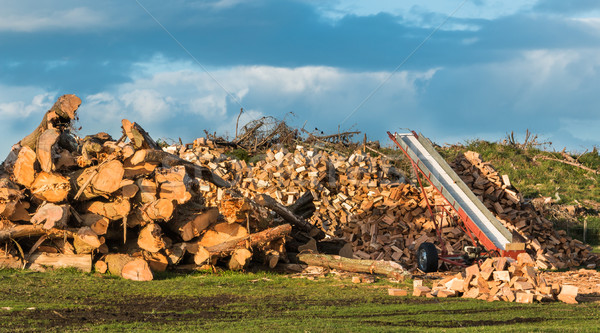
[257, 302]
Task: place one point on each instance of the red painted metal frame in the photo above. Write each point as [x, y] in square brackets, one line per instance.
[469, 226]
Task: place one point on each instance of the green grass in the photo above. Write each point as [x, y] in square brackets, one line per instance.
[257, 302]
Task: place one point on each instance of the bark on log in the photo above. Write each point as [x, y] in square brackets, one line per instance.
[82, 262]
[256, 240]
[116, 261]
[389, 268]
[147, 192]
[266, 201]
[86, 240]
[28, 230]
[221, 233]
[189, 225]
[169, 160]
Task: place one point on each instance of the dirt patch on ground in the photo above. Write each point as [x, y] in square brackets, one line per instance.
[131, 309]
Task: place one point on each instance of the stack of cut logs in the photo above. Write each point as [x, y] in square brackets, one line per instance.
[126, 206]
[498, 279]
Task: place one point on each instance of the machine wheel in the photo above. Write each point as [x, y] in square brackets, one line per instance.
[427, 257]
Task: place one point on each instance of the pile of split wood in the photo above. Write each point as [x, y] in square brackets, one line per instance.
[551, 248]
[497, 279]
[124, 205]
[364, 201]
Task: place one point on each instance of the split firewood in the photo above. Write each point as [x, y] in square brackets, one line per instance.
[234, 209]
[175, 253]
[62, 113]
[50, 187]
[100, 266]
[389, 268]
[140, 139]
[44, 149]
[24, 167]
[137, 270]
[157, 210]
[101, 180]
[52, 216]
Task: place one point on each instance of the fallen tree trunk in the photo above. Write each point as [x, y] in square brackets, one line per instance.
[389, 268]
[266, 201]
[38, 261]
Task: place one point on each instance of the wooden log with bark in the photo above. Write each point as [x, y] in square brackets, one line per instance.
[100, 180]
[60, 116]
[388, 268]
[24, 168]
[267, 201]
[51, 187]
[44, 148]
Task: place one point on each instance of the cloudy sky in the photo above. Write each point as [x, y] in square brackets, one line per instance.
[451, 69]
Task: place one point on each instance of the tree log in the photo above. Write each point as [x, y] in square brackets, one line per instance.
[174, 184]
[239, 259]
[43, 151]
[24, 168]
[147, 192]
[256, 240]
[82, 262]
[86, 240]
[389, 268]
[266, 201]
[52, 216]
[100, 180]
[150, 238]
[28, 230]
[222, 232]
[98, 224]
[169, 160]
[137, 270]
[190, 224]
[62, 113]
[114, 210]
[50, 187]
[140, 139]
[116, 261]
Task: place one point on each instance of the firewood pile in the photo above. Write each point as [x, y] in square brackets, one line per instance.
[497, 279]
[131, 207]
[552, 249]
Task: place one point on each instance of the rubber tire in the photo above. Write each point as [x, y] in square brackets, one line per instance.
[427, 257]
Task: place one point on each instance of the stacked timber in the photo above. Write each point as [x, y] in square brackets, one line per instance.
[126, 206]
[552, 249]
[500, 279]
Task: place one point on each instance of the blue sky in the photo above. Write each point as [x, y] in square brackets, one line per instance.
[492, 68]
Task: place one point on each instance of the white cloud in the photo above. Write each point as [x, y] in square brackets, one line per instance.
[39, 103]
[25, 19]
